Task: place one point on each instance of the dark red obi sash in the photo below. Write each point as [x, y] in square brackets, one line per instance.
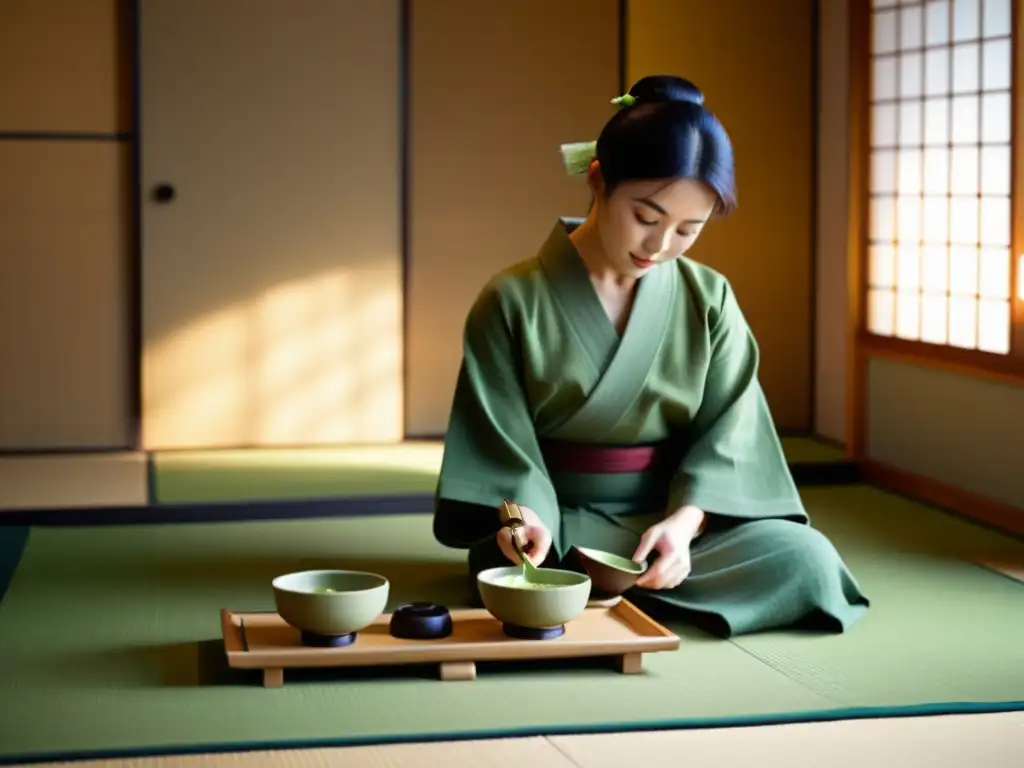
[605, 460]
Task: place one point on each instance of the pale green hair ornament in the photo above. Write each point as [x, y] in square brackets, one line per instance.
[577, 156]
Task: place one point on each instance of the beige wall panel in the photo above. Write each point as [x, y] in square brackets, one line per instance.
[272, 284]
[954, 429]
[754, 60]
[830, 250]
[64, 66]
[496, 87]
[64, 340]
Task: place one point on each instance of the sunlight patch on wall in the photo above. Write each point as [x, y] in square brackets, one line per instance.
[314, 361]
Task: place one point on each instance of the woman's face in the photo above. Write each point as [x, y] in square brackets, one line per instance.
[646, 223]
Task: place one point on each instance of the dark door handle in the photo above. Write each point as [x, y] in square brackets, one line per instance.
[163, 193]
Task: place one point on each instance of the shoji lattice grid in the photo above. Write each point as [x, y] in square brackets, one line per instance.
[939, 220]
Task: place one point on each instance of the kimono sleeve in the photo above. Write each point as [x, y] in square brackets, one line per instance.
[491, 450]
[735, 466]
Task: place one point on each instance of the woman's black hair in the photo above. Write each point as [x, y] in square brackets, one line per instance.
[666, 133]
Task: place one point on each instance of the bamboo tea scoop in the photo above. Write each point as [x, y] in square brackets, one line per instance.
[512, 518]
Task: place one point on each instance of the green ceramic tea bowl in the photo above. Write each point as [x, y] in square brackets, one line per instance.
[330, 603]
[561, 597]
[612, 575]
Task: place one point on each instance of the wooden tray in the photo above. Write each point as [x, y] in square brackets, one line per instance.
[264, 641]
[1006, 566]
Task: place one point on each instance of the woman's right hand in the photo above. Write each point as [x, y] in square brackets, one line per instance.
[534, 534]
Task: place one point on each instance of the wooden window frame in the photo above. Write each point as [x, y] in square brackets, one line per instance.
[864, 345]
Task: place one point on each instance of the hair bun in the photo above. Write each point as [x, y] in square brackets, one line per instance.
[662, 88]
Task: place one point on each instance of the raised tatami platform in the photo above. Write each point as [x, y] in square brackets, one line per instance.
[256, 476]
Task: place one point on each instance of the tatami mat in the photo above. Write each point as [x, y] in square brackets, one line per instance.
[314, 473]
[262, 474]
[810, 450]
[142, 669]
[967, 741]
[974, 741]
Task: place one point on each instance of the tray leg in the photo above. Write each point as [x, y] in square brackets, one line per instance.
[458, 670]
[273, 678]
[631, 663]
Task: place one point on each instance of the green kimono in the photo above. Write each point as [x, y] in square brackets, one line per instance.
[543, 362]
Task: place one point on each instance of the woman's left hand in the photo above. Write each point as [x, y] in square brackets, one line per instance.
[671, 540]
